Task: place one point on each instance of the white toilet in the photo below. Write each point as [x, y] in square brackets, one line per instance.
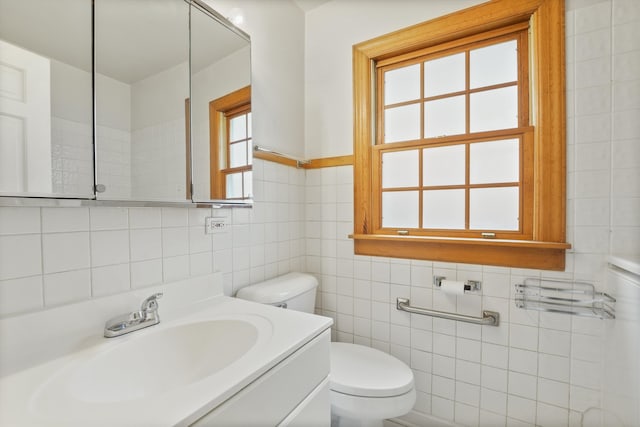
[367, 385]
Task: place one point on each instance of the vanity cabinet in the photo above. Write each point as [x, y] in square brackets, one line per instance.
[293, 393]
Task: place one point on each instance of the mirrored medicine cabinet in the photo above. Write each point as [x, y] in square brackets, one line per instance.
[126, 110]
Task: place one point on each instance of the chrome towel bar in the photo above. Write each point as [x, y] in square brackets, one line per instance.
[490, 318]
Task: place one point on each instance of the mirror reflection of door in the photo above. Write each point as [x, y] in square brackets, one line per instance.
[231, 146]
[221, 117]
[25, 121]
[46, 139]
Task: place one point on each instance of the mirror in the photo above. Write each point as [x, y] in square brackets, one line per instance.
[46, 139]
[221, 124]
[142, 88]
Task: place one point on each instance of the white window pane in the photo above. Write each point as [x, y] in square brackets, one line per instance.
[249, 124]
[402, 123]
[494, 208]
[248, 184]
[238, 127]
[444, 165]
[494, 109]
[443, 209]
[402, 84]
[234, 185]
[400, 169]
[400, 209]
[237, 154]
[494, 64]
[249, 152]
[495, 161]
[444, 75]
[444, 116]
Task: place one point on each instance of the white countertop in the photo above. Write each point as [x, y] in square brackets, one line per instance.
[39, 395]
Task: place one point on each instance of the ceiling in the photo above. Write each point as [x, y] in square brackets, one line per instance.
[131, 43]
[307, 5]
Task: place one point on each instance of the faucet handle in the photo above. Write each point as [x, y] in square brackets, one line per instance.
[151, 303]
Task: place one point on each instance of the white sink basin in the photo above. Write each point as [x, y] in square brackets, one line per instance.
[162, 360]
[199, 356]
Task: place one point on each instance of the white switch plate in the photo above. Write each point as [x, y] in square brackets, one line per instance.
[214, 224]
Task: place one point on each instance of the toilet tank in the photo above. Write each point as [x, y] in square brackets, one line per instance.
[295, 291]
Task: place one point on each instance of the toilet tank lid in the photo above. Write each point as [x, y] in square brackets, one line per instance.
[279, 289]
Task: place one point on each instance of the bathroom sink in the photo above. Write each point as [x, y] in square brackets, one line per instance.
[146, 365]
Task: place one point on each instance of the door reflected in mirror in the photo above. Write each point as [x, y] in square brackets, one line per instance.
[142, 83]
[46, 142]
[221, 118]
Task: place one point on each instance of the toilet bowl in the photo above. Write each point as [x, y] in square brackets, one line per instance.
[366, 385]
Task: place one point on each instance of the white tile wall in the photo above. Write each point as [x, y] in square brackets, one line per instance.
[114, 169]
[532, 370]
[536, 368]
[54, 256]
[71, 157]
[157, 152]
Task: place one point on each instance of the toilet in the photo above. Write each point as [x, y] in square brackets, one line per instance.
[366, 385]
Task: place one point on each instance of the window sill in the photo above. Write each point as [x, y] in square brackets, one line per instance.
[505, 253]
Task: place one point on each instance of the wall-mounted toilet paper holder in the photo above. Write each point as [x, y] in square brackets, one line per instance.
[469, 285]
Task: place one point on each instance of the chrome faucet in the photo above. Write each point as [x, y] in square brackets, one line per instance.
[145, 317]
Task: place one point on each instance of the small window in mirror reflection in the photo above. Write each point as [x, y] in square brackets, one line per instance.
[231, 146]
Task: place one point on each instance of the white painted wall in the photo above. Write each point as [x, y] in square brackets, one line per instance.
[277, 35]
[331, 31]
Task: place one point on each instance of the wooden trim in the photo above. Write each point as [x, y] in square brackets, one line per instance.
[272, 157]
[328, 162]
[519, 254]
[546, 215]
[323, 162]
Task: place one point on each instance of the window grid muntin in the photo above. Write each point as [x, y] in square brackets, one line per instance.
[467, 186]
[521, 38]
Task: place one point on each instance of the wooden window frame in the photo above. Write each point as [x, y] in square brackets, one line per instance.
[523, 132]
[218, 109]
[547, 245]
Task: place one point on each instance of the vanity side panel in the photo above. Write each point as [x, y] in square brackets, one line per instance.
[269, 399]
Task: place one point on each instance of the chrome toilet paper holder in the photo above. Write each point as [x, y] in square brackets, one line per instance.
[469, 285]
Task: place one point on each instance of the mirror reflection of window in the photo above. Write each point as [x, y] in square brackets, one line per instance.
[231, 146]
[221, 115]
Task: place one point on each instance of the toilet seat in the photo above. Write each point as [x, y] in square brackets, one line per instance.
[363, 371]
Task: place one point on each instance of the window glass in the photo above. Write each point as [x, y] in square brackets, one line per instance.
[238, 128]
[443, 209]
[444, 75]
[494, 208]
[494, 109]
[400, 169]
[444, 165]
[402, 123]
[400, 209]
[234, 186]
[494, 64]
[248, 184]
[445, 116]
[237, 154]
[494, 161]
[402, 84]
